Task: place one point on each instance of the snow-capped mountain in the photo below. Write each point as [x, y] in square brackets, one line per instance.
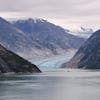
[34, 38]
[49, 36]
[82, 32]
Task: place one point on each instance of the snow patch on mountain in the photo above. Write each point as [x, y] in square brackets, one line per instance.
[82, 32]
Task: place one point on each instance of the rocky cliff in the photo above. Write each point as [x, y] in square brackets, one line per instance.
[10, 62]
[88, 56]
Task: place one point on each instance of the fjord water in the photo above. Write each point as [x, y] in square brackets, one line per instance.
[55, 84]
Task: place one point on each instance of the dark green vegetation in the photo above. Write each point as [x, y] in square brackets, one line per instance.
[10, 62]
[88, 56]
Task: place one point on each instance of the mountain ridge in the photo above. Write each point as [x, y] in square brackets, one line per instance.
[40, 37]
[88, 56]
[11, 62]
[48, 35]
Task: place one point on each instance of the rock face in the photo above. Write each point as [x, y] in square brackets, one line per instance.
[10, 62]
[38, 36]
[48, 38]
[88, 56]
[12, 38]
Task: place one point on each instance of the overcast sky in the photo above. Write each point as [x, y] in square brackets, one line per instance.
[67, 13]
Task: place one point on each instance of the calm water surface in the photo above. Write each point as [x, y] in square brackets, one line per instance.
[55, 84]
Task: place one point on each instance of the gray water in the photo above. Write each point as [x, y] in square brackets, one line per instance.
[55, 84]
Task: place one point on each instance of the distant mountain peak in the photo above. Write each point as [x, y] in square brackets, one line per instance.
[48, 36]
[38, 36]
[32, 20]
[87, 30]
[83, 32]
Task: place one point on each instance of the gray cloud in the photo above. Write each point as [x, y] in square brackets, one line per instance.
[74, 11]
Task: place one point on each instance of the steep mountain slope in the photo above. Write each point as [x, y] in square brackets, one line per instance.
[36, 38]
[10, 62]
[88, 56]
[13, 38]
[49, 37]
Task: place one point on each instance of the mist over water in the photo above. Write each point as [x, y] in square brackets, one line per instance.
[56, 84]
